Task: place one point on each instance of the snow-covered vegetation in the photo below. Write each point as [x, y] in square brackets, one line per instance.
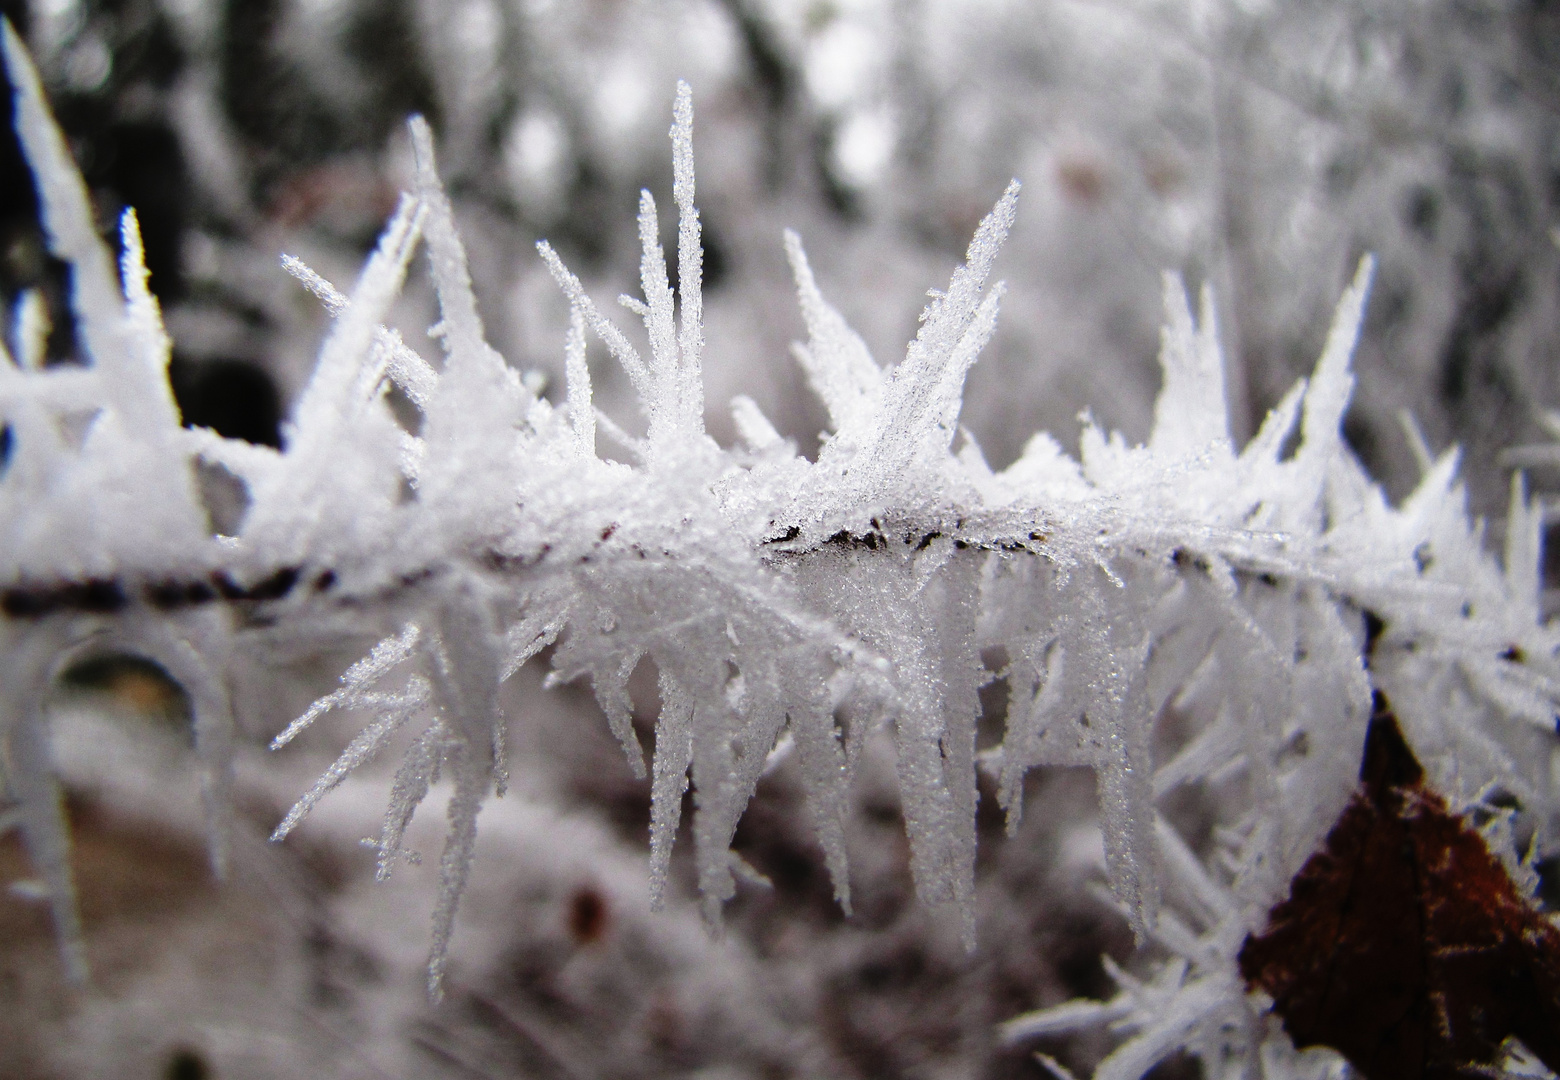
[1200, 619]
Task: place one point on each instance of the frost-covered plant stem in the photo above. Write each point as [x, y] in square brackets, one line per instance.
[1233, 587]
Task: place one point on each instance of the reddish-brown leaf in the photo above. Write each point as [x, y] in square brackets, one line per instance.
[1404, 944]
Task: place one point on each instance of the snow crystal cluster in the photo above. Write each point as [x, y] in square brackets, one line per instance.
[1255, 594]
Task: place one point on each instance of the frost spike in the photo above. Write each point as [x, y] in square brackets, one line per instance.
[753, 427]
[609, 427]
[339, 478]
[1183, 1013]
[1417, 444]
[666, 407]
[414, 375]
[355, 680]
[943, 406]
[464, 340]
[838, 365]
[1190, 414]
[944, 320]
[1267, 443]
[1061, 1019]
[144, 321]
[394, 713]
[1333, 382]
[925, 390]
[690, 260]
[617, 344]
[380, 279]
[1183, 865]
[660, 319]
[576, 373]
[66, 210]
[530, 636]
[466, 667]
[333, 391]
[419, 768]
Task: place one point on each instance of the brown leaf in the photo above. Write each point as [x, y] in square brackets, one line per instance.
[1404, 944]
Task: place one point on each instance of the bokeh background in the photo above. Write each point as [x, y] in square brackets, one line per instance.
[1256, 146]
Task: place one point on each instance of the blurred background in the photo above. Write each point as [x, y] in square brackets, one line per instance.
[1257, 146]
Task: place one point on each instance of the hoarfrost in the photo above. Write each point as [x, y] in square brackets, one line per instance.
[1259, 597]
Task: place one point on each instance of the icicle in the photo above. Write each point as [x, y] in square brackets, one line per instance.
[610, 685]
[47, 834]
[827, 778]
[729, 752]
[673, 755]
[26, 666]
[471, 784]
[198, 667]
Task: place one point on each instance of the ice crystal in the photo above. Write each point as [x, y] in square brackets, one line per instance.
[1258, 593]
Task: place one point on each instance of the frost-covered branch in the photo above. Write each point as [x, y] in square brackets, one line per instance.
[1262, 593]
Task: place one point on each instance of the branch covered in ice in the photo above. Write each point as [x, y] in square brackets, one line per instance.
[1257, 593]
